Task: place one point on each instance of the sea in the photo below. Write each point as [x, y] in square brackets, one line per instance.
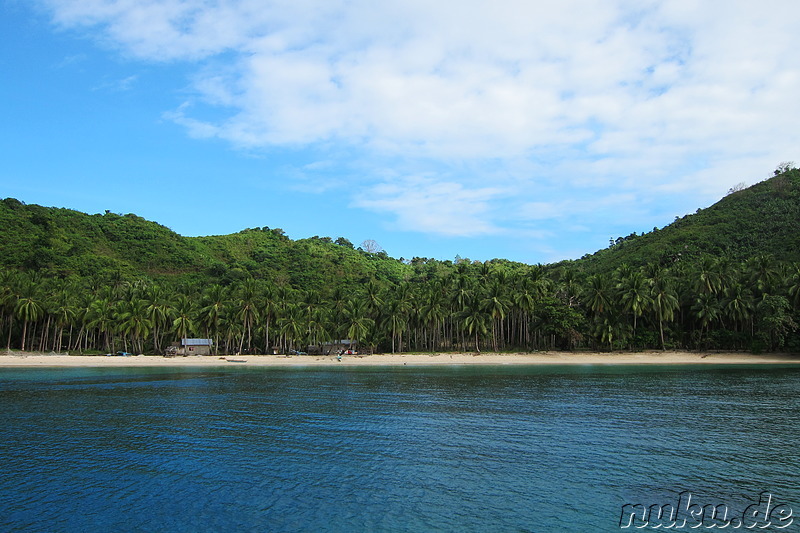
[401, 449]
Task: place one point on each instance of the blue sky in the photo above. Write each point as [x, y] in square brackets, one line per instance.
[511, 129]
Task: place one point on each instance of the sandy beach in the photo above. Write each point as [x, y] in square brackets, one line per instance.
[19, 359]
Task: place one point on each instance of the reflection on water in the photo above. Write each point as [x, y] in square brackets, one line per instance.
[393, 449]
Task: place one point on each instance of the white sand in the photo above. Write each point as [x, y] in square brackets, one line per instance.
[18, 359]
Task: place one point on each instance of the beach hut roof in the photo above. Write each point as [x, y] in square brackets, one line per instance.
[196, 342]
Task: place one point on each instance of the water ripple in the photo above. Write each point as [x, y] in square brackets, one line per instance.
[489, 449]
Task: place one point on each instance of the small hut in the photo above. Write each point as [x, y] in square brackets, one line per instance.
[196, 347]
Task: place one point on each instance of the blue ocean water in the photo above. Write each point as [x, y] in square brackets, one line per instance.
[388, 449]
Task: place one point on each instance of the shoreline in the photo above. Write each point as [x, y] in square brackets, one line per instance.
[19, 359]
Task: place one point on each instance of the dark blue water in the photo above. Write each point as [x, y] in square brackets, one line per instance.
[405, 449]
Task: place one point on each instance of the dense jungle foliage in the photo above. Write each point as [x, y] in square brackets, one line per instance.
[727, 277]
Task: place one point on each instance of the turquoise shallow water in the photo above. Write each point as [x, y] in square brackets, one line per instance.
[396, 449]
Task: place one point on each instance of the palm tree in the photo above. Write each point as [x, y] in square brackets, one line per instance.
[463, 291]
[183, 325]
[230, 328]
[8, 300]
[599, 296]
[707, 277]
[64, 312]
[394, 319]
[28, 309]
[134, 322]
[793, 284]
[337, 299]
[664, 303]
[247, 309]
[316, 327]
[763, 273]
[634, 294]
[525, 303]
[211, 313]
[607, 329]
[312, 316]
[373, 298]
[569, 289]
[707, 310]
[461, 297]
[356, 320]
[474, 321]
[738, 304]
[82, 318]
[433, 314]
[495, 305]
[159, 313]
[290, 325]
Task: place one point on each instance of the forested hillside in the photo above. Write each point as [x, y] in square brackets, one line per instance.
[63, 243]
[762, 219]
[727, 277]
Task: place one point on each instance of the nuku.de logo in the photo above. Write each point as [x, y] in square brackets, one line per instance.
[765, 514]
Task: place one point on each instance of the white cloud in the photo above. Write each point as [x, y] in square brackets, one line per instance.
[124, 84]
[429, 206]
[626, 99]
[570, 211]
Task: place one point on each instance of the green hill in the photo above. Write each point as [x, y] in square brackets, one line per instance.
[66, 243]
[762, 219]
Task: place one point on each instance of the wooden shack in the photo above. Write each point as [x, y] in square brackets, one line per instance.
[195, 347]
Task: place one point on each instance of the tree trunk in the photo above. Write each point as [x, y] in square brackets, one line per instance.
[10, 324]
[24, 332]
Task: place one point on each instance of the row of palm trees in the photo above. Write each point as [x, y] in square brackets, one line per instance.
[710, 303]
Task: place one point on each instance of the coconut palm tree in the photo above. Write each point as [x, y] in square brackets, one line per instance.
[738, 304]
[433, 314]
[707, 279]
[268, 308]
[664, 302]
[133, 322]
[495, 306]
[291, 325]
[373, 298]
[8, 300]
[356, 321]
[230, 329]
[473, 320]
[159, 312]
[793, 284]
[64, 312]
[317, 326]
[100, 318]
[599, 294]
[763, 273]
[461, 296]
[184, 323]
[634, 295]
[707, 310]
[524, 302]
[215, 299]
[28, 309]
[395, 319]
[247, 309]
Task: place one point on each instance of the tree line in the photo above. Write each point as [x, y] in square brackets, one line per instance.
[709, 303]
